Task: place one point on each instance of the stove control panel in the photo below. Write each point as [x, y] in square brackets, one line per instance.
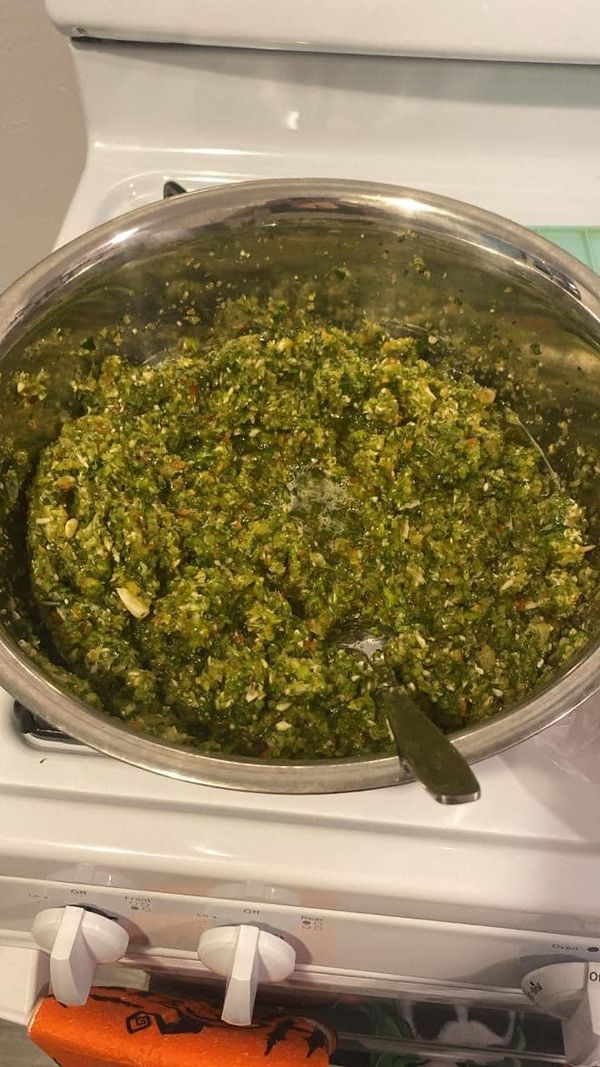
[165, 932]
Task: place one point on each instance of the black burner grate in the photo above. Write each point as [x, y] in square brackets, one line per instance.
[172, 188]
[33, 726]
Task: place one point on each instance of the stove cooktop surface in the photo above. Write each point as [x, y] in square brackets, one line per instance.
[523, 856]
[511, 138]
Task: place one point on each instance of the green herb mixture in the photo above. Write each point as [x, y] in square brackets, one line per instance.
[206, 531]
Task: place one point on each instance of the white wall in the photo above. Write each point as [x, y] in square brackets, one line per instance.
[42, 144]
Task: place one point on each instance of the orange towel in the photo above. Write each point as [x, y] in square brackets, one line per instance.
[127, 1028]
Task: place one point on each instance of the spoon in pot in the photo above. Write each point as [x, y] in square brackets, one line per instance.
[433, 759]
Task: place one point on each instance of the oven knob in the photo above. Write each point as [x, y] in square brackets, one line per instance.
[77, 940]
[245, 956]
[570, 991]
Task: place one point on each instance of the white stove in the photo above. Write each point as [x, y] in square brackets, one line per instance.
[384, 892]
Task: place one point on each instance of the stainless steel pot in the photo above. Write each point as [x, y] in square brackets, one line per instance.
[406, 257]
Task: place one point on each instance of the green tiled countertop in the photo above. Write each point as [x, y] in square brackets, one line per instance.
[583, 243]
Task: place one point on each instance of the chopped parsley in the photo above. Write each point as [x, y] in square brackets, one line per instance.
[203, 531]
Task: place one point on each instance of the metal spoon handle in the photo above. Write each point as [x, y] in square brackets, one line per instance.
[432, 757]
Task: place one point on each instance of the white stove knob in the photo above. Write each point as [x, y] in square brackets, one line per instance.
[77, 940]
[572, 992]
[245, 956]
